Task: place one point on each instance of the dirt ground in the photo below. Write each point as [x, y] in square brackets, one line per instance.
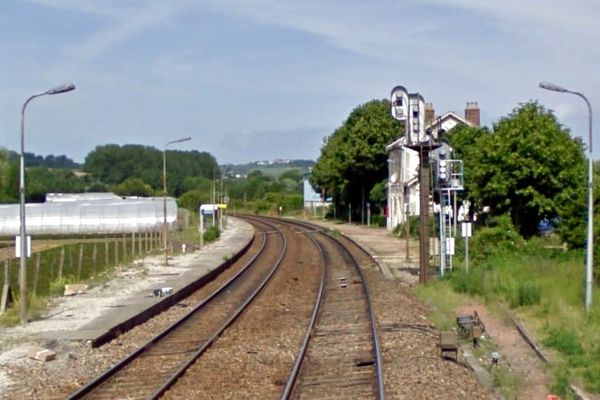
[513, 349]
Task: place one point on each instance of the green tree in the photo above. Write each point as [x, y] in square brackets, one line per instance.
[527, 166]
[7, 195]
[133, 187]
[113, 164]
[353, 159]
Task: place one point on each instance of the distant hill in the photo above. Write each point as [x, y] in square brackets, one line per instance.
[271, 168]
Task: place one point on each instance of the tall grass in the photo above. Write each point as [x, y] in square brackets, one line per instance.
[544, 285]
[46, 278]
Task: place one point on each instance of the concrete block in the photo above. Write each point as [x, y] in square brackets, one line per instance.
[41, 354]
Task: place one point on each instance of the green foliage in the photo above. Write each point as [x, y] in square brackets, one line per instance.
[525, 294]
[51, 278]
[470, 283]
[211, 234]
[527, 166]
[378, 196]
[193, 199]
[563, 340]
[353, 158]
[500, 235]
[113, 164]
[133, 187]
[49, 161]
[378, 220]
[411, 227]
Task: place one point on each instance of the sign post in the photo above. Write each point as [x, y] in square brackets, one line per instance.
[466, 230]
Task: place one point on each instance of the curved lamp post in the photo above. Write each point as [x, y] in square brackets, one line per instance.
[165, 226]
[67, 87]
[590, 222]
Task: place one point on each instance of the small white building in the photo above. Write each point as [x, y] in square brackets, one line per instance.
[403, 163]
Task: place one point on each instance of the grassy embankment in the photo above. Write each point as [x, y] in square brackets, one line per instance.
[57, 262]
[543, 286]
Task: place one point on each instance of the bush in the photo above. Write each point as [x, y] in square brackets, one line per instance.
[414, 224]
[378, 220]
[500, 235]
[211, 234]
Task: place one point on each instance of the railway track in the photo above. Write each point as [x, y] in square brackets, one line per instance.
[339, 353]
[153, 368]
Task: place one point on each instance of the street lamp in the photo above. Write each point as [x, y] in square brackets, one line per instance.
[165, 226]
[590, 222]
[67, 87]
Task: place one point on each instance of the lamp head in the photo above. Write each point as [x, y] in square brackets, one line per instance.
[553, 87]
[67, 87]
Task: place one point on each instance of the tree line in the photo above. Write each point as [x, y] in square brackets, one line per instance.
[527, 165]
[135, 170]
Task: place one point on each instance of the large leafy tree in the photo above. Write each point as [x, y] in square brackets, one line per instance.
[527, 166]
[113, 164]
[353, 158]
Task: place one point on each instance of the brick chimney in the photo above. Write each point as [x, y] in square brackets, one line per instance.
[429, 113]
[472, 113]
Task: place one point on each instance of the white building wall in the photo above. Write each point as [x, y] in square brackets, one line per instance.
[403, 188]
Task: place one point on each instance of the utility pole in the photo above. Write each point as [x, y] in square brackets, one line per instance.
[410, 109]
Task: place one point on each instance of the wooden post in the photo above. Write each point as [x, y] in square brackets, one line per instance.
[132, 245]
[116, 252]
[105, 252]
[80, 262]
[94, 255]
[124, 246]
[6, 274]
[71, 258]
[61, 262]
[140, 245]
[6, 299]
[36, 276]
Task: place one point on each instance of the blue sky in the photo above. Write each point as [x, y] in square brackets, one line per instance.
[263, 79]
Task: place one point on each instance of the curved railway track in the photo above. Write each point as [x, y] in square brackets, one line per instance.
[154, 367]
[339, 354]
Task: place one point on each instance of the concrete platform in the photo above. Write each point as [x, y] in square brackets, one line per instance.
[388, 250]
[184, 274]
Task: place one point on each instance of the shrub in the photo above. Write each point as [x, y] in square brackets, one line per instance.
[211, 234]
[378, 220]
[500, 235]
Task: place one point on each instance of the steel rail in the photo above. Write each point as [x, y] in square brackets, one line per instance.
[372, 318]
[104, 377]
[287, 391]
[194, 356]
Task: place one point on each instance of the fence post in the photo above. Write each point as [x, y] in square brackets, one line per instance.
[116, 252]
[140, 244]
[36, 276]
[124, 246]
[80, 262]
[61, 262]
[132, 245]
[6, 274]
[94, 255]
[105, 252]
